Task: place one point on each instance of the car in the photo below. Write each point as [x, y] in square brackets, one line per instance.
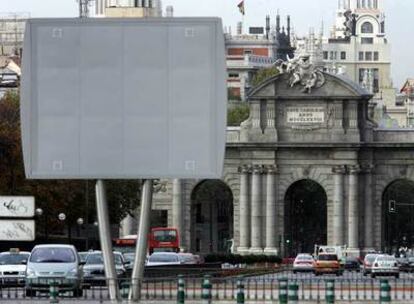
[302, 263]
[50, 263]
[94, 270]
[368, 262]
[13, 267]
[385, 265]
[163, 259]
[352, 264]
[327, 263]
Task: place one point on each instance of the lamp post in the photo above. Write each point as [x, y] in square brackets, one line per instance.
[62, 218]
[79, 221]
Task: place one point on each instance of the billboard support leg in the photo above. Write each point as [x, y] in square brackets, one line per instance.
[105, 239]
[142, 240]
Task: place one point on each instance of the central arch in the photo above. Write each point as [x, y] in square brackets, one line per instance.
[211, 217]
[398, 215]
[305, 217]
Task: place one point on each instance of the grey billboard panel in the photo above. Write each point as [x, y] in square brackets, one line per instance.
[124, 98]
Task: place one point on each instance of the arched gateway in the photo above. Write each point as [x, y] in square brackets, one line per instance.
[304, 126]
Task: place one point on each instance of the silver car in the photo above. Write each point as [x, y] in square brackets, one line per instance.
[57, 264]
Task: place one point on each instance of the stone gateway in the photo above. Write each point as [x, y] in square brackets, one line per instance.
[306, 168]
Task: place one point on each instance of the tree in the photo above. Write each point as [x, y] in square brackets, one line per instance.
[237, 114]
[263, 74]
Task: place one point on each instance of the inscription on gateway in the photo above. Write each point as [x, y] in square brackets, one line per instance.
[305, 115]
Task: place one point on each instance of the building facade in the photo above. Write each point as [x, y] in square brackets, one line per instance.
[308, 167]
[12, 27]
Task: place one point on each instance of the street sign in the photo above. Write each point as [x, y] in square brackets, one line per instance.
[127, 98]
[17, 206]
[17, 230]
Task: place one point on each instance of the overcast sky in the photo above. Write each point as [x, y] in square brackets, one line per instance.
[304, 14]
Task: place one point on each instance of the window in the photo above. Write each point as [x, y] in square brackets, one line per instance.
[376, 56]
[248, 52]
[343, 55]
[234, 75]
[361, 56]
[325, 55]
[332, 55]
[367, 28]
[376, 80]
[368, 56]
[365, 40]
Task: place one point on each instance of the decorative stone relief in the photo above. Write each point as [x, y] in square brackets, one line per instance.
[302, 72]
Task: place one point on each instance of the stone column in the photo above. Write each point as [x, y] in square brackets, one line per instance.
[244, 216]
[338, 205]
[271, 215]
[270, 130]
[353, 211]
[177, 209]
[256, 218]
[368, 210]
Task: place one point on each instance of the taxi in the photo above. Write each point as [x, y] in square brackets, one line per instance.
[327, 263]
[13, 267]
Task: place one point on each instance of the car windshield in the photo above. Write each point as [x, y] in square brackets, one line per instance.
[187, 258]
[163, 258]
[328, 257]
[370, 258]
[53, 255]
[97, 259]
[304, 257]
[13, 259]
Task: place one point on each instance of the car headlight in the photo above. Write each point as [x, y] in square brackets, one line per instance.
[73, 272]
[30, 272]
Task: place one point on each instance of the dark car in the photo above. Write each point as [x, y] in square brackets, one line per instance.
[352, 264]
[93, 270]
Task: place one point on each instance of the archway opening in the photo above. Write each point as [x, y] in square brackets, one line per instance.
[305, 217]
[398, 216]
[211, 217]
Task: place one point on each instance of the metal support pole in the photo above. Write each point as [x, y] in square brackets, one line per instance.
[240, 291]
[293, 297]
[142, 240]
[385, 292]
[330, 291]
[206, 290]
[105, 239]
[181, 290]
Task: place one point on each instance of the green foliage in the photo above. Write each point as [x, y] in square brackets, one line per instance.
[242, 259]
[237, 114]
[54, 196]
[263, 74]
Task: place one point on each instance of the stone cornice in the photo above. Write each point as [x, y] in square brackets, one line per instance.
[339, 169]
[306, 145]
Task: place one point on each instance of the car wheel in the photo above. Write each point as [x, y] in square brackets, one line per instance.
[373, 275]
[397, 276]
[30, 293]
[294, 271]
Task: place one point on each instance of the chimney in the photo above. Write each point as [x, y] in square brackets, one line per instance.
[267, 26]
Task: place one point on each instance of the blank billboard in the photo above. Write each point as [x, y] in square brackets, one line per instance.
[124, 98]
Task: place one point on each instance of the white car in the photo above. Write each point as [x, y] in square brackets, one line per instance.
[164, 259]
[385, 265]
[303, 262]
[13, 267]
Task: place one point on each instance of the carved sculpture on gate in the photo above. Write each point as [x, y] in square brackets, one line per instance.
[301, 71]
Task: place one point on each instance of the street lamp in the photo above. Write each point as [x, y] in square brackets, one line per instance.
[79, 221]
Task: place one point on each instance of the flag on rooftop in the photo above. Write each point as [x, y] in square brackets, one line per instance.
[241, 7]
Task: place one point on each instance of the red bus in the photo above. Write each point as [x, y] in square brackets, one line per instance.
[159, 239]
